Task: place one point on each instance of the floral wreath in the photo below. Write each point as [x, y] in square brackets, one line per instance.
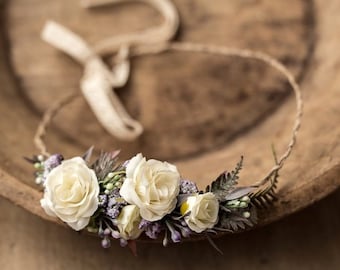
[150, 199]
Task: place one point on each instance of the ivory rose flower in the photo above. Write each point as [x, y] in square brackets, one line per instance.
[203, 210]
[128, 222]
[151, 185]
[71, 193]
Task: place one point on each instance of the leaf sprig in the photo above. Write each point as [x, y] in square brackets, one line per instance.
[225, 182]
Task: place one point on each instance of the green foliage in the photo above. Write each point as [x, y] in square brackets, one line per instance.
[238, 205]
[225, 182]
[265, 196]
[235, 220]
[106, 163]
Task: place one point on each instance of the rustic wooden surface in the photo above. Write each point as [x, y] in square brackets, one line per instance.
[312, 172]
[307, 240]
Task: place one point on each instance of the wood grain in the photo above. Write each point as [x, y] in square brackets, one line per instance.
[308, 240]
[311, 173]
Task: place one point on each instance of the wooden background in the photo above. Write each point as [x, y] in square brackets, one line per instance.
[302, 34]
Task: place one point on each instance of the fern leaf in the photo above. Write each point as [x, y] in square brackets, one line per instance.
[264, 197]
[235, 221]
[225, 182]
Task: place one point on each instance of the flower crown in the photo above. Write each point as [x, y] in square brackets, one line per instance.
[140, 198]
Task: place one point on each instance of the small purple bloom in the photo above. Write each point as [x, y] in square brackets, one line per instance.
[53, 161]
[185, 231]
[151, 229]
[50, 163]
[144, 224]
[175, 236]
[115, 234]
[106, 242]
[102, 200]
[188, 187]
[183, 223]
[107, 232]
[111, 202]
[113, 212]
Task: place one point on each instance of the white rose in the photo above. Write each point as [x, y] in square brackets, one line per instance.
[71, 193]
[203, 210]
[128, 222]
[151, 185]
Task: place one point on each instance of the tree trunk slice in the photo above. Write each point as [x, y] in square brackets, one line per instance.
[40, 74]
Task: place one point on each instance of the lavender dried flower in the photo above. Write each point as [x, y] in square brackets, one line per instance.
[151, 229]
[106, 243]
[174, 234]
[113, 212]
[188, 187]
[50, 163]
[53, 161]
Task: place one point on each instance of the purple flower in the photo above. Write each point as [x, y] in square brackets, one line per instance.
[185, 231]
[144, 224]
[175, 235]
[53, 161]
[112, 201]
[115, 234]
[106, 242]
[50, 163]
[151, 229]
[114, 204]
[113, 212]
[188, 187]
[107, 232]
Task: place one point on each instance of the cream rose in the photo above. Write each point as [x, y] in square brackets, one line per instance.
[71, 193]
[203, 210]
[151, 185]
[128, 222]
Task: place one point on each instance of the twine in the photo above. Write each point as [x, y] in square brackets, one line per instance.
[98, 80]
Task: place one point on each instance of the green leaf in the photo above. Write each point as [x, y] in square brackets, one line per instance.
[225, 182]
[106, 163]
[238, 193]
[234, 221]
[265, 195]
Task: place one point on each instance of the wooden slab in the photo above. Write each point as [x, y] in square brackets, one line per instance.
[311, 173]
[306, 240]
